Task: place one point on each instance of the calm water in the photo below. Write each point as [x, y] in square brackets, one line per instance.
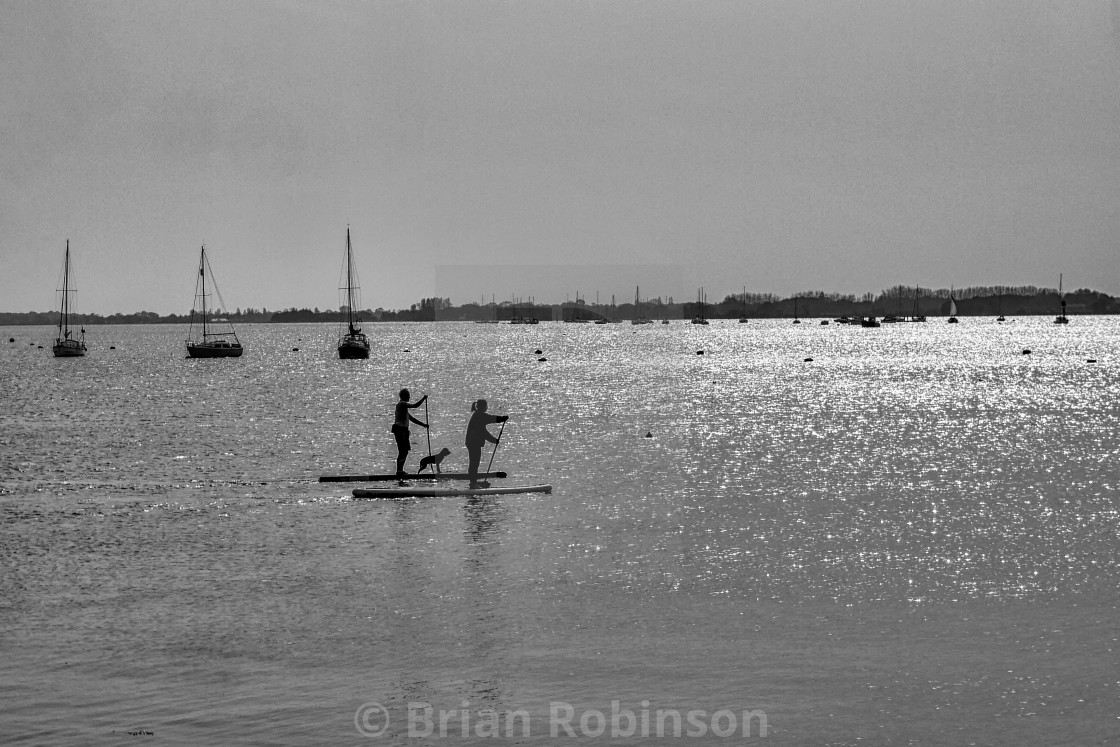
[912, 539]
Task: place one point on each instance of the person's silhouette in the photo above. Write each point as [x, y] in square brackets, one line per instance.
[477, 436]
[400, 427]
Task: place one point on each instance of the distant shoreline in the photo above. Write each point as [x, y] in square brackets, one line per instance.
[899, 301]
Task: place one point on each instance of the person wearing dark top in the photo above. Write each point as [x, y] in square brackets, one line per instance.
[477, 436]
[400, 427]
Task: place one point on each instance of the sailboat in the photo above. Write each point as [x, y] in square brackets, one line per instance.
[700, 301]
[66, 346]
[638, 318]
[210, 337]
[493, 306]
[952, 308]
[796, 319]
[1061, 318]
[743, 316]
[353, 344]
[917, 317]
[999, 308]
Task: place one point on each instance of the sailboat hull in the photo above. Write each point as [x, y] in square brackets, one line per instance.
[69, 349]
[214, 350]
[353, 348]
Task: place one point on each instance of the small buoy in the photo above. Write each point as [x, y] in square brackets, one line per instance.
[112, 347]
[295, 350]
[407, 350]
[1091, 360]
[699, 352]
[541, 360]
[1026, 352]
[538, 351]
[649, 434]
[40, 347]
[808, 360]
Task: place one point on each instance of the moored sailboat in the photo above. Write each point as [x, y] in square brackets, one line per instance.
[210, 337]
[353, 344]
[493, 308]
[917, 317]
[952, 308]
[639, 318]
[66, 345]
[1061, 318]
[699, 318]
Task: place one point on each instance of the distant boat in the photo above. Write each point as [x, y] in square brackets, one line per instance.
[353, 344]
[916, 317]
[743, 317]
[65, 345]
[489, 321]
[210, 337]
[796, 320]
[699, 319]
[869, 322]
[1061, 318]
[518, 319]
[638, 318]
[952, 309]
[999, 308]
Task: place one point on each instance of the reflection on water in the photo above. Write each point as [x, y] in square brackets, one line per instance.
[921, 520]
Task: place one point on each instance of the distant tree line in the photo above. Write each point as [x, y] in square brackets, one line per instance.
[898, 300]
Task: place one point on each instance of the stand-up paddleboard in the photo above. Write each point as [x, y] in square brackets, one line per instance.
[431, 491]
[421, 476]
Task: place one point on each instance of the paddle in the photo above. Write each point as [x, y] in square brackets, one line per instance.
[428, 430]
[500, 430]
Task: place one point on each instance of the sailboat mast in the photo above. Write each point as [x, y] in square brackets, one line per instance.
[349, 283]
[64, 316]
[202, 276]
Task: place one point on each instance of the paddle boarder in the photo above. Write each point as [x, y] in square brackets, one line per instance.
[477, 436]
[400, 427]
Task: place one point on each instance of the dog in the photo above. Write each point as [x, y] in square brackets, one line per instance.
[434, 461]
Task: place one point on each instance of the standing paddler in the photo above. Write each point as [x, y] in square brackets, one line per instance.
[477, 436]
[400, 427]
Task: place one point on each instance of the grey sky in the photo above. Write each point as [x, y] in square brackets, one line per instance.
[781, 146]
